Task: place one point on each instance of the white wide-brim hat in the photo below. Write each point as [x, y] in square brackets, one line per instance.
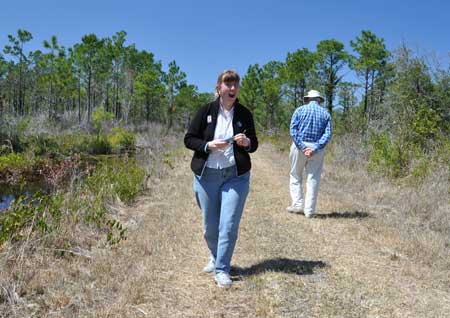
[313, 94]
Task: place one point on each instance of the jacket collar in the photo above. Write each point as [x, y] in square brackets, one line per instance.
[216, 104]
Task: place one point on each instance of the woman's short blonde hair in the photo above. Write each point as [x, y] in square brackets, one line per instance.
[227, 76]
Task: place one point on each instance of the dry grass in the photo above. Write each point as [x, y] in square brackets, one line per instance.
[358, 259]
[419, 212]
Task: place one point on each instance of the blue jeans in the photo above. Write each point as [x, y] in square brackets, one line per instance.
[221, 196]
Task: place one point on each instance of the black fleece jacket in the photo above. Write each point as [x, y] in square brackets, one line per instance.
[201, 130]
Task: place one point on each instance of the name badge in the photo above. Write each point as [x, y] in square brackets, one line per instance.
[209, 119]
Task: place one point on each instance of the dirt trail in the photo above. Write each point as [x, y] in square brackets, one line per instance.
[342, 264]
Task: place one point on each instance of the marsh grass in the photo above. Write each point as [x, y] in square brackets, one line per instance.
[86, 219]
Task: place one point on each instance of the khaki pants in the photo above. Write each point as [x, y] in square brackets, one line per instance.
[313, 167]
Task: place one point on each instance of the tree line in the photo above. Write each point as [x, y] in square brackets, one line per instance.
[106, 72]
[396, 92]
[382, 78]
[398, 104]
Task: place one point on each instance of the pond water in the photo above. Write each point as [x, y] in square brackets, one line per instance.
[5, 201]
[10, 193]
[36, 184]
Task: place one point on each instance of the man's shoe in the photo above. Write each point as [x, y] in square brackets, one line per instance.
[223, 280]
[294, 209]
[310, 215]
[210, 267]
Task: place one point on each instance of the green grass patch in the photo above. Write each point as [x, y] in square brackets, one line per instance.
[117, 177]
[14, 161]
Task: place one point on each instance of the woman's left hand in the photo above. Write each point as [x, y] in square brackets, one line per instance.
[242, 140]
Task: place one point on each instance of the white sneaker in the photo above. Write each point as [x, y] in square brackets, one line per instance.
[223, 280]
[294, 209]
[310, 215]
[210, 267]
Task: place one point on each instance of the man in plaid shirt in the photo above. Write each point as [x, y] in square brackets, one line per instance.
[310, 132]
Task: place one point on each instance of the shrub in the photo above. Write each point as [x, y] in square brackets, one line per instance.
[119, 177]
[99, 145]
[121, 139]
[14, 161]
[425, 126]
[74, 143]
[353, 121]
[100, 117]
[12, 130]
[40, 145]
[5, 150]
[421, 168]
[388, 158]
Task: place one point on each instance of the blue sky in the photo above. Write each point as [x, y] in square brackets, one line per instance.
[206, 37]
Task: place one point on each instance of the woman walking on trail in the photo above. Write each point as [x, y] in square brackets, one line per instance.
[222, 134]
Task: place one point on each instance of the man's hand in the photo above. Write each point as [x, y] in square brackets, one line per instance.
[308, 152]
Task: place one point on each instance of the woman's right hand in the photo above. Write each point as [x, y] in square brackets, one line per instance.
[217, 144]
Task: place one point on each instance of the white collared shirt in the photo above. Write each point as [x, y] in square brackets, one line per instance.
[223, 158]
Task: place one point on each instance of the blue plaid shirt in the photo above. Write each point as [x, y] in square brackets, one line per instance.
[311, 123]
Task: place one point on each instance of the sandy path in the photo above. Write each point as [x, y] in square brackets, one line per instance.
[342, 264]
